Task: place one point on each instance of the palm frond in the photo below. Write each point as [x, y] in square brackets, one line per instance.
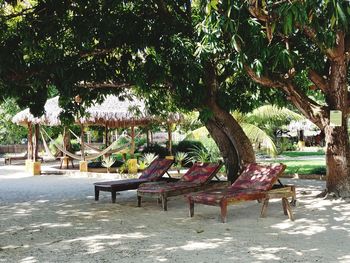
[268, 113]
[258, 136]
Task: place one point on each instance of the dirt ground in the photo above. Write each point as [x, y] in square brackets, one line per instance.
[54, 218]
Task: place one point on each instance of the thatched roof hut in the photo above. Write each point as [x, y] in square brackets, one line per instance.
[50, 118]
[112, 112]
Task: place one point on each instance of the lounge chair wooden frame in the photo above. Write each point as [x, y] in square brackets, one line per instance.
[163, 196]
[226, 198]
[130, 184]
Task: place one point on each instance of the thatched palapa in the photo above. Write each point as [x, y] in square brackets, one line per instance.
[112, 112]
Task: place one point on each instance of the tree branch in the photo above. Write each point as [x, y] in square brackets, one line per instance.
[262, 80]
[320, 82]
[256, 10]
[96, 52]
[112, 85]
[308, 107]
[311, 109]
[312, 35]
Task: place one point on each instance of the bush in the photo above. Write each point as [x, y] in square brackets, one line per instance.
[187, 146]
[190, 147]
[156, 149]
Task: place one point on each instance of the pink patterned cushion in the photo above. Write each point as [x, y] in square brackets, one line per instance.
[200, 173]
[156, 169]
[259, 177]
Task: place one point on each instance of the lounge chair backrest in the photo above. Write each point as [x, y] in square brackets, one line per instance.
[156, 169]
[258, 177]
[201, 172]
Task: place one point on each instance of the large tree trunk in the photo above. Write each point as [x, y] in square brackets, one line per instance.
[337, 138]
[225, 130]
[227, 150]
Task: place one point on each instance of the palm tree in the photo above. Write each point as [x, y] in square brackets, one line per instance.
[260, 126]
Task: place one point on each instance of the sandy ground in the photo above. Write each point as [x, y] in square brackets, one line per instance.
[54, 218]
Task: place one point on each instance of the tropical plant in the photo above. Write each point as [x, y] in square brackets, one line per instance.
[148, 158]
[108, 161]
[142, 164]
[181, 158]
[199, 154]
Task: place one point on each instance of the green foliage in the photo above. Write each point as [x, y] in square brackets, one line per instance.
[156, 149]
[108, 161]
[10, 133]
[186, 146]
[199, 154]
[181, 158]
[148, 158]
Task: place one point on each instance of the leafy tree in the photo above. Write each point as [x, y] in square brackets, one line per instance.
[300, 48]
[9, 132]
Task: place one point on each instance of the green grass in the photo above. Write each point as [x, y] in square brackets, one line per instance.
[305, 166]
[301, 154]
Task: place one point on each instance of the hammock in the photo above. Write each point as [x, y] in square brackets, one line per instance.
[47, 149]
[92, 147]
[88, 157]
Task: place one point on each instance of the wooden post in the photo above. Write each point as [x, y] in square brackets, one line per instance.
[66, 140]
[148, 137]
[132, 146]
[30, 142]
[106, 135]
[82, 149]
[169, 139]
[36, 142]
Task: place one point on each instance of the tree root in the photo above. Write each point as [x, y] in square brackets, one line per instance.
[323, 194]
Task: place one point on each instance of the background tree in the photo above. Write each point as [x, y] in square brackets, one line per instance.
[298, 48]
[9, 132]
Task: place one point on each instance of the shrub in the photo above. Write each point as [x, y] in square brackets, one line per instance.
[187, 146]
[156, 149]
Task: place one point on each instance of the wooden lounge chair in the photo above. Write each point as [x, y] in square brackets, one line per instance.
[255, 183]
[197, 178]
[8, 160]
[153, 172]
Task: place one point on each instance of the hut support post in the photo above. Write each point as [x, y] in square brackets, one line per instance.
[148, 137]
[66, 146]
[169, 139]
[30, 142]
[82, 149]
[36, 142]
[83, 165]
[132, 146]
[106, 135]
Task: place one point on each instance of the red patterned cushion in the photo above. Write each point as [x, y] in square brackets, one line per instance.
[200, 173]
[209, 197]
[258, 177]
[165, 187]
[156, 169]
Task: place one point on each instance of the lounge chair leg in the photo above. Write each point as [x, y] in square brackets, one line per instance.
[139, 201]
[97, 193]
[288, 209]
[164, 203]
[223, 207]
[284, 205]
[114, 196]
[294, 197]
[191, 203]
[264, 207]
